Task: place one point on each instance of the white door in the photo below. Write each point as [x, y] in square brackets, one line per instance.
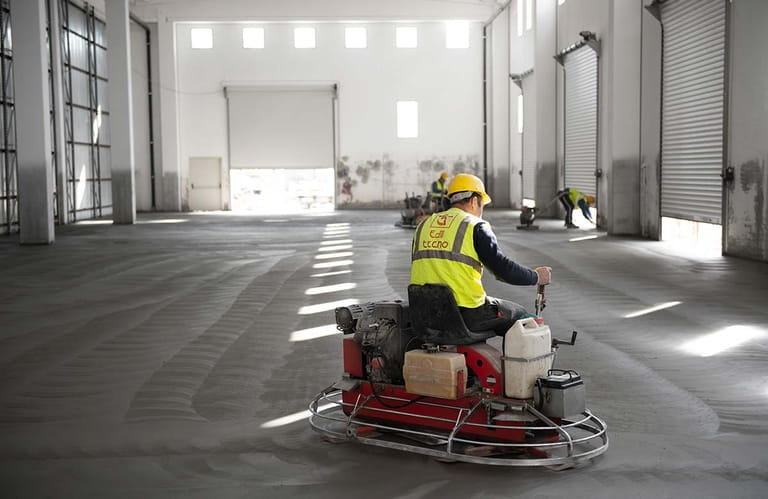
[205, 184]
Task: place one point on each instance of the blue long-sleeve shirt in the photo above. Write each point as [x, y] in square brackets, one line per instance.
[495, 261]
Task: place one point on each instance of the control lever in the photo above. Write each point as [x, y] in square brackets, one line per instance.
[556, 341]
[541, 300]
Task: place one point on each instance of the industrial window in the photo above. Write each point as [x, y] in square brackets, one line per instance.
[202, 38]
[355, 38]
[406, 37]
[520, 113]
[456, 34]
[304, 38]
[253, 38]
[407, 119]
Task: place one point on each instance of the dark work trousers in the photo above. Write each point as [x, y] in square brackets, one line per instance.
[568, 205]
[496, 315]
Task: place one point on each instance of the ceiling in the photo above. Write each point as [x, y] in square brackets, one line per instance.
[313, 10]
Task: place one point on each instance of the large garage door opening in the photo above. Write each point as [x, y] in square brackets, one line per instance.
[282, 147]
[274, 191]
[693, 121]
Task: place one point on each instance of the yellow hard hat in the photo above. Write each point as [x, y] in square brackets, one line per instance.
[464, 182]
[443, 176]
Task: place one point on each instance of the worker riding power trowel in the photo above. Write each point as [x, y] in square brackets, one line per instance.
[416, 379]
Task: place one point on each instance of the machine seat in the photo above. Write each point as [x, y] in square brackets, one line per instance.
[435, 317]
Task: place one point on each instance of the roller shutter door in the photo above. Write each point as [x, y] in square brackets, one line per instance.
[581, 119]
[693, 96]
[285, 127]
[529, 136]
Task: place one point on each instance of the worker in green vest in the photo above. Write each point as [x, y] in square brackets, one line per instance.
[437, 198]
[452, 248]
[570, 198]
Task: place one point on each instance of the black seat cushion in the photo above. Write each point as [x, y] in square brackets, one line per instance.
[435, 317]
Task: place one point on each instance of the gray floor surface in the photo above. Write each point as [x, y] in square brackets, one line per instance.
[175, 358]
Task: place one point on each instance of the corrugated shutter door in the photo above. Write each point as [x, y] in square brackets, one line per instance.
[281, 127]
[692, 109]
[529, 136]
[581, 119]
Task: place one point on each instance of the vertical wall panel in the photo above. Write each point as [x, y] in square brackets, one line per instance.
[529, 136]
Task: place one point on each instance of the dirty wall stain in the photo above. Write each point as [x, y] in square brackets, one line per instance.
[394, 177]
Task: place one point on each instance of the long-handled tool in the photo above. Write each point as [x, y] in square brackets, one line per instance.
[528, 215]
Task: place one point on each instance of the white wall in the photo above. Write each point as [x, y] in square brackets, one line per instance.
[447, 83]
[746, 217]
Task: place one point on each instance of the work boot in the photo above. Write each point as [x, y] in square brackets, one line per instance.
[571, 226]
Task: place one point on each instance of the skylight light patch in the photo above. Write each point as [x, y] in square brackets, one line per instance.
[253, 38]
[355, 38]
[457, 34]
[406, 37]
[304, 38]
[202, 38]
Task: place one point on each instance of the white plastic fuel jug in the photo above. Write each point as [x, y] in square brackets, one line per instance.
[527, 356]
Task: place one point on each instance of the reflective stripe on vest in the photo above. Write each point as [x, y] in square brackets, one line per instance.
[443, 252]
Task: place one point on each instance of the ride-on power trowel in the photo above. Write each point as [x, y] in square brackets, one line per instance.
[416, 379]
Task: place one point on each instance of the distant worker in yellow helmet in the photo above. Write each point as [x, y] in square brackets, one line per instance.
[453, 246]
[570, 198]
[437, 194]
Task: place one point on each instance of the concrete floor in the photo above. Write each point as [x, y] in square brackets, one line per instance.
[156, 360]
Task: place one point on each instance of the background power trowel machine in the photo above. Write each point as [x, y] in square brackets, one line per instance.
[416, 379]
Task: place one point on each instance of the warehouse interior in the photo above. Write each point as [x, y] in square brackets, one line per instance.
[209, 180]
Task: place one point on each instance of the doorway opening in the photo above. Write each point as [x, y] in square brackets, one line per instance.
[282, 190]
[700, 238]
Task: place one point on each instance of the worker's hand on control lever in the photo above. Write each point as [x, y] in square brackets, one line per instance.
[545, 275]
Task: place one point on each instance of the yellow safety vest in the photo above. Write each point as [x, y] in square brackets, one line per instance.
[443, 252]
[440, 189]
[574, 196]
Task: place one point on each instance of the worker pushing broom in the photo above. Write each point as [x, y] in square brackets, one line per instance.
[570, 198]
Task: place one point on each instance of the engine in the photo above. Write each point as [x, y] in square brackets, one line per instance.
[382, 332]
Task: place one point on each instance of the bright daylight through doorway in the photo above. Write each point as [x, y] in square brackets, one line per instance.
[281, 191]
[693, 238]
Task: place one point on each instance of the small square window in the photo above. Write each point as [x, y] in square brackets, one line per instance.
[202, 38]
[355, 38]
[304, 38]
[406, 37]
[253, 38]
[407, 119]
[456, 34]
